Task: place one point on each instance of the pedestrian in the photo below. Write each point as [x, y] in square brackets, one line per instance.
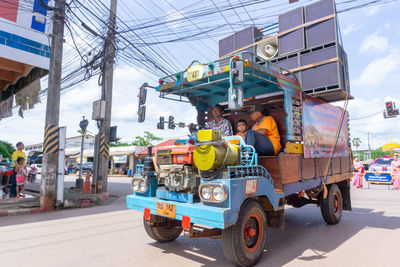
[396, 172]
[357, 175]
[17, 153]
[20, 168]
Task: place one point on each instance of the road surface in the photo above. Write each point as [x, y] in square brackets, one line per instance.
[113, 236]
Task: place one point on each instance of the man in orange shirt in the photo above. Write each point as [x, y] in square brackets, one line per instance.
[264, 136]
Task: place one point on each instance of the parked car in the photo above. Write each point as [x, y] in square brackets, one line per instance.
[381, 165]
[86, 167]
[38, 167]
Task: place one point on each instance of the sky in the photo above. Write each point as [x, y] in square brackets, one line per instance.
[370, 36]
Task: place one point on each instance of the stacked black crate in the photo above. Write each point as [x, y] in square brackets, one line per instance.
[326, 81]
[313, 52]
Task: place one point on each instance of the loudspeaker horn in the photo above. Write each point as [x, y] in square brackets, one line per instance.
[268, 48]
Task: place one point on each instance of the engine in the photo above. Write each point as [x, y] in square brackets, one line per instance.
[176, 170]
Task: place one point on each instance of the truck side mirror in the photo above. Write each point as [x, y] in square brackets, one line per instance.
[142, 113]
[235, 98]
[238, 72]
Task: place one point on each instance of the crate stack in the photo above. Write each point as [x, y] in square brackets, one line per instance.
[309, 47]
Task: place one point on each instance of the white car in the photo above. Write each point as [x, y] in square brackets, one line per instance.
[38, 167]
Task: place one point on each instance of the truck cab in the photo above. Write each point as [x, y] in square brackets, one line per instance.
[218, 186]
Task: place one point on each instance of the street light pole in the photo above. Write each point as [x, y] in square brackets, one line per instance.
[83, 125]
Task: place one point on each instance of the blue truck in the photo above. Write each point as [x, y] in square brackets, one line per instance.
[219, 187]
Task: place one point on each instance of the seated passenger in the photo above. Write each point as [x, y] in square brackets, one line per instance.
[218, 123]
[242, 128]
[264, 136]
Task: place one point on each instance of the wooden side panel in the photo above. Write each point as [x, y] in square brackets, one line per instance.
[290, 165]
[272, 166]
[336, 165]
[339, 177]
[346, 164]
[308, 168]
[321, 167]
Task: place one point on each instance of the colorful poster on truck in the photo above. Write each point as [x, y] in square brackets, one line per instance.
[320, 121]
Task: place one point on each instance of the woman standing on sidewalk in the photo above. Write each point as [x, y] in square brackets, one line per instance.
[396, 172]
[357, 176]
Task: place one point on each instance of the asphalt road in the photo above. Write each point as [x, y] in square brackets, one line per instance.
[114, 236]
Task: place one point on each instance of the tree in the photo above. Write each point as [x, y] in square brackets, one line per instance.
[356, 142]
[379, 153]
[6, 149]
[146, 140]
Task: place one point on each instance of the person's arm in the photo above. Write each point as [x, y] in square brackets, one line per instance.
[262, 131]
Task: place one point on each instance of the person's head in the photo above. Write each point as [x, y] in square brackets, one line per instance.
[395, 157]
[20, 160]
[20, 146]
[242, 126]
[257, 112]
[217, 111]
[356, 159]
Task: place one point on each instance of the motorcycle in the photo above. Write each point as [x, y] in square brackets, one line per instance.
[5, 176]
[32, 174]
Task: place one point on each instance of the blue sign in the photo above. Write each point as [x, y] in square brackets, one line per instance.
[380, 177]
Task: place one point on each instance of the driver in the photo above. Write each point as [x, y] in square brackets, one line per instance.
[218, 123]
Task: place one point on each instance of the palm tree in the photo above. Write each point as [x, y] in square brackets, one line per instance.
[356, 142]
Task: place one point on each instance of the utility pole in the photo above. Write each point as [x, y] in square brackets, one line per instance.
[48, 183]
[100, 178]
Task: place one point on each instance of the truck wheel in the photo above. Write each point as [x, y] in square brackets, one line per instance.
[332, 206]
[243, 243]
[162, 233]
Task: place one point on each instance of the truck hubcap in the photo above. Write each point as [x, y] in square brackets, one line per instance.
[252, 232]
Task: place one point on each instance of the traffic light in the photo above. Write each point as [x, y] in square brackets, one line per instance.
[160, 125]
[171, 123]
[389, 108]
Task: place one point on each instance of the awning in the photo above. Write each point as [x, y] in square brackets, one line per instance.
[120, 159]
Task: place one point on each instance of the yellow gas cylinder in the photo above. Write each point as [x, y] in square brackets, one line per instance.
[209, 157]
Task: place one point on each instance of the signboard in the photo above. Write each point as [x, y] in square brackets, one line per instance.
[378, 177]
[24, 29]
[320, 121]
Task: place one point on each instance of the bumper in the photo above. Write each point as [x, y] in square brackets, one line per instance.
[199, 214]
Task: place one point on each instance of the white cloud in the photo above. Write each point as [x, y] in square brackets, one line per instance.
[351, 28]
[372, 10]
[374, 43]
[377, 71]
[172, 16]
[370, 120]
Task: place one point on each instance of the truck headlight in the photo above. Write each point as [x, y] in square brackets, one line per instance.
[143, 186]
[205, 192]
[218, 193]
[135, 185]
[139, 185]
[213, 192]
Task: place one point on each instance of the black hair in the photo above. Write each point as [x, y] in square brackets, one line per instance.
[241, 120]
[19, 159]
[220, 107]
[18, 144]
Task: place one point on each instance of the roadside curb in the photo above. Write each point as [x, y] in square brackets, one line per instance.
[4, 213]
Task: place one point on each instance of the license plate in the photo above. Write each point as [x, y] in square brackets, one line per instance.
[165, 209]
[195, 73]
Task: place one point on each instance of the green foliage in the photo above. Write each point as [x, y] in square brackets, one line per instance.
[379, 153]
[145, 140]
[6, 149]
[356, 142]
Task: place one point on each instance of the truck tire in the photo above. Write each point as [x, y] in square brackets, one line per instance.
[332, 206]
[162, 234]
[244, 242]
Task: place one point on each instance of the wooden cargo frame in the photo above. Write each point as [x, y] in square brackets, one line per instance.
[293, 173]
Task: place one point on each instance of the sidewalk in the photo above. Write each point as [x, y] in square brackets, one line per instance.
[31, 202]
